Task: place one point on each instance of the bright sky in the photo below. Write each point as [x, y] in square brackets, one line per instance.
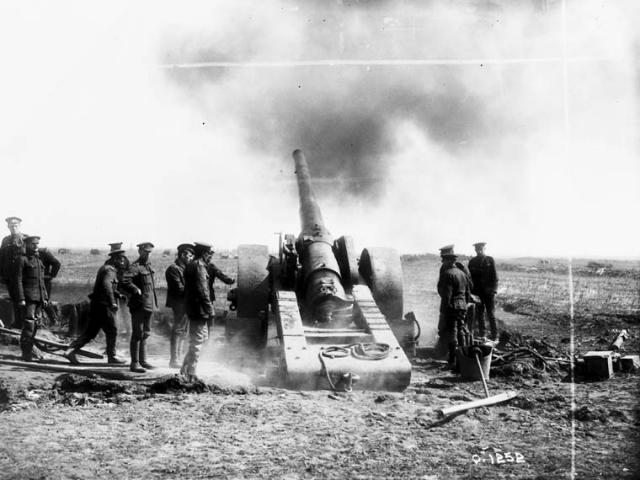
[486, 134]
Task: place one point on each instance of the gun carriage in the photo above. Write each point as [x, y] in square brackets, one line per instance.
[329, 318]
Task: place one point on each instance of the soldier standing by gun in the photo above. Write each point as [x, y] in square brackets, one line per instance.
[103, 308]
[141, 305]
[31, 294]
[453, 288]
[198, 305]
[175, 300]
[12, 248]
[485, 286]
[51, 269]
[214, 272]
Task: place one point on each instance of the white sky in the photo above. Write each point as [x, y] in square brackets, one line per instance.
[101, 144]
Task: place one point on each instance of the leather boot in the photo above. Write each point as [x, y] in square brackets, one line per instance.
[173, 362]
[111, 351]
[143, 356]
[70, 354]
[26, 340]
[135, 364]
[452, 360]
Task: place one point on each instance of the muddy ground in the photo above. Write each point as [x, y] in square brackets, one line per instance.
[232, 425]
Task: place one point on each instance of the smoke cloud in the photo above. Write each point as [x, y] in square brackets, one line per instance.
[424, 123]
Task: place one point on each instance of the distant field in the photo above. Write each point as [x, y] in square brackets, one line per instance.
[543, 292]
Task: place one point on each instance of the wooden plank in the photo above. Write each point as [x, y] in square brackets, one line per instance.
[483, 402]
[62, 346]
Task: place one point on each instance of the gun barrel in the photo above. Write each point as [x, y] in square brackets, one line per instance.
[322, 286]
[310, 215]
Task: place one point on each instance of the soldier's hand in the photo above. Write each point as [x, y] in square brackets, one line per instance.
[138, 291]
[114, 307]
[22, 303]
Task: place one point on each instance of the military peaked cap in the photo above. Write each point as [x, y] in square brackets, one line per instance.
[446, 250]
[31, 238]
[201, 247]
[147, 246]
[186, 247]
[479, 244]
[8, 219]
[115, 246]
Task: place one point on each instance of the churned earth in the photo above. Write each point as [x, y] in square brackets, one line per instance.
[231, 425]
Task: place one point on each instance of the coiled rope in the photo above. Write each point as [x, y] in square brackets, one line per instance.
[361, 351]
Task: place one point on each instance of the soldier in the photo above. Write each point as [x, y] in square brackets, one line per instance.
[142, 304]
[175, 300]
[51, 269]
[31, 294]
[453, 287]
[103, 308]
[485, 286]
[11, 250]
[448, 250]
[198, 305]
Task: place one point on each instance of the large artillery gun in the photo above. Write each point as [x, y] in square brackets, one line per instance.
[329, 319]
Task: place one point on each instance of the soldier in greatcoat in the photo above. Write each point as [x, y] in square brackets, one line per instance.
[30, 293]
[198, 305]
[485, 286]
[175, 300]
[11, 250]
[103, 308]
[142, 304]
[453, 288]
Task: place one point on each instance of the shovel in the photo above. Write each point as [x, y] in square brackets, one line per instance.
[476, 351]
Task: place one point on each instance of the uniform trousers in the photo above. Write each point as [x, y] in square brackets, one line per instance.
[452, 328]
[30, 324]
[101, 317]
[487, 304]
[198, 335]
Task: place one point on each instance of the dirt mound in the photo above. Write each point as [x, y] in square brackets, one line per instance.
[178, 383]
[524, 356]
[70, 382]
[6, 395]
[522, 306]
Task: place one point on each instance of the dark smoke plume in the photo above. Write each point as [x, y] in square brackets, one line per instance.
[345, 116]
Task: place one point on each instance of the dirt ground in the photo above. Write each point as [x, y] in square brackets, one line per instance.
[232, 425]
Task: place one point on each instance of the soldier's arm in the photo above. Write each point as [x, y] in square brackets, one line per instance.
[492, 273]
[17, 279]
[127, 284]
[55, 265]
[203, 289]
[109, 281]
[173, 280]
[217, 273]
[447, 291]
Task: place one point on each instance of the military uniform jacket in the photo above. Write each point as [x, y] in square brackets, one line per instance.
[29, 280]
[196, 287]
[11, 250]
[141, 275]
[51, 263]
[175, 284]
[483, 274]
[105, 288]
[214, 272]
[453, 288]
